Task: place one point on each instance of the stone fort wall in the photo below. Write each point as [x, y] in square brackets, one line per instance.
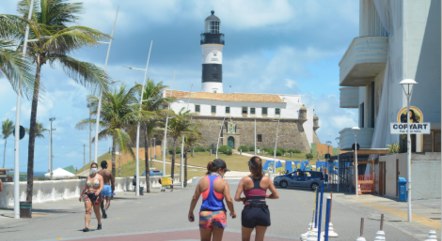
[291, 134]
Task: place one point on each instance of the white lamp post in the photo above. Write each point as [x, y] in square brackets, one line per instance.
[17, 127]
[137, 168]
[276, 140]
[407, 85]
[355, 133]
[219, 137]
[97, 121]
[50, 164]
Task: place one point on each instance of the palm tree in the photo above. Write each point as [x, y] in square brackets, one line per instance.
[14, 67]
[152, 103]
[39, 130]
[7, 130]
[192, 136]
[117, 114]
[178, 126]
[55, 40]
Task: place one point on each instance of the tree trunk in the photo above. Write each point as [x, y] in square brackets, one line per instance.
[113, 158]
[172, 167]
[32, 132]
[146, 159]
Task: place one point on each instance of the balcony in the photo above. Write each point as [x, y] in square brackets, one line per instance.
[347, 138]
[349, 97]
[364, 59]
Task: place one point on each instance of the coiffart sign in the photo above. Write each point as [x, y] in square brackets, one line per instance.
[417, 126]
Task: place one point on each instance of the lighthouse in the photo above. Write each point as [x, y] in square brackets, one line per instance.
[212, 43]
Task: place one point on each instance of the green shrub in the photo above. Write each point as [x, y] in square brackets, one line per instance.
[309, 156]
[199, 149]
[244, 148]
[225, 150]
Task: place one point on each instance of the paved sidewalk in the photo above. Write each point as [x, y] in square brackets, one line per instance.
[426, 214]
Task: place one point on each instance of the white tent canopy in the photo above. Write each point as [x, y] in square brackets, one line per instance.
[60, 173]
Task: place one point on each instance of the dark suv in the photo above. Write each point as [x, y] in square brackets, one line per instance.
[300, 179]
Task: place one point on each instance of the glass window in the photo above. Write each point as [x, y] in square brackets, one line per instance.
[213, 109]
[259, 137]
[277, 111]
[264, 110]
[197, 108]
[244, 111]
[252, 111]
[227, 109]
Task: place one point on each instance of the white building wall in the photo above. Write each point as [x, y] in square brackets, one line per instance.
[289, 109]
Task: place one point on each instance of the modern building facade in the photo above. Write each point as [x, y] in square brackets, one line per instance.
[398, 39]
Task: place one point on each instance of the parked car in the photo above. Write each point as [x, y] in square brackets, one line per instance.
[300, 179]
[153, 172]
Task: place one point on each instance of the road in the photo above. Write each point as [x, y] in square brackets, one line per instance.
[163, 216]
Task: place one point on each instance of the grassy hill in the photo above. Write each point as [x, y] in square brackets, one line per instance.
[125, 164]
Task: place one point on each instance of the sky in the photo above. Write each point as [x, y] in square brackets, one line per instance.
[278, 47]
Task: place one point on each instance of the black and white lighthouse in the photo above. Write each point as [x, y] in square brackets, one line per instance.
[212, 43]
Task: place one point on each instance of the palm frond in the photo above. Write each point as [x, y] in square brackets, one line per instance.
[85, 73]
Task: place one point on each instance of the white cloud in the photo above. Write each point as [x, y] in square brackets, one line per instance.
[290, 83]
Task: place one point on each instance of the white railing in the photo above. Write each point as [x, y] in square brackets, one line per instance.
[54, 190]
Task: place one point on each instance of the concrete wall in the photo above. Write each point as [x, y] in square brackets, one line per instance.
[425, 174]
[53, 190]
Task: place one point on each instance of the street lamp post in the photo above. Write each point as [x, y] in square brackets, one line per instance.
[219, 137]
[50, 148]
[97, 121]
[137, 168]
[355, 133]
[407, 85]
[276, 140]
[165, 145]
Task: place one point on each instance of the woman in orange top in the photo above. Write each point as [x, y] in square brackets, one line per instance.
[213, 189]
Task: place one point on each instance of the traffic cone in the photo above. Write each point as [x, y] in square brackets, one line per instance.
[432, 236]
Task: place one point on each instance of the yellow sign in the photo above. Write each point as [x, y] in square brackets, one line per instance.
[416, 115]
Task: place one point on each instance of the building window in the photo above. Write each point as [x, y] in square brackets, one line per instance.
[197, 108]
[244, 111]
[259, 137]
[252, 111]
[213, 109]
[277, 111]
[264, 110]
[227, 109]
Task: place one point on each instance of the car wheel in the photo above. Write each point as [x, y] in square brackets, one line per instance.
[314, 186]
[283, 184]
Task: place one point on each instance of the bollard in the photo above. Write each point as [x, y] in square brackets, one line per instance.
[380, 235]
[432, 236]
[331, 232]
[327, 218]
[361, 231]
[316, 207]
[321, 197]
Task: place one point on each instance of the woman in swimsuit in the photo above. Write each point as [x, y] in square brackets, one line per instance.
[214, 189]
[256, 214]
[91, 196]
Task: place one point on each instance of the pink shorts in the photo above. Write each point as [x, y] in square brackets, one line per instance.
[211, 219]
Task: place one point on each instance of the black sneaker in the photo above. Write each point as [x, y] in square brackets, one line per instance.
[85, 230]
[104, 215]
[99, 227]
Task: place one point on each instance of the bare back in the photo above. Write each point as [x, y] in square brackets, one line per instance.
[107, 176]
